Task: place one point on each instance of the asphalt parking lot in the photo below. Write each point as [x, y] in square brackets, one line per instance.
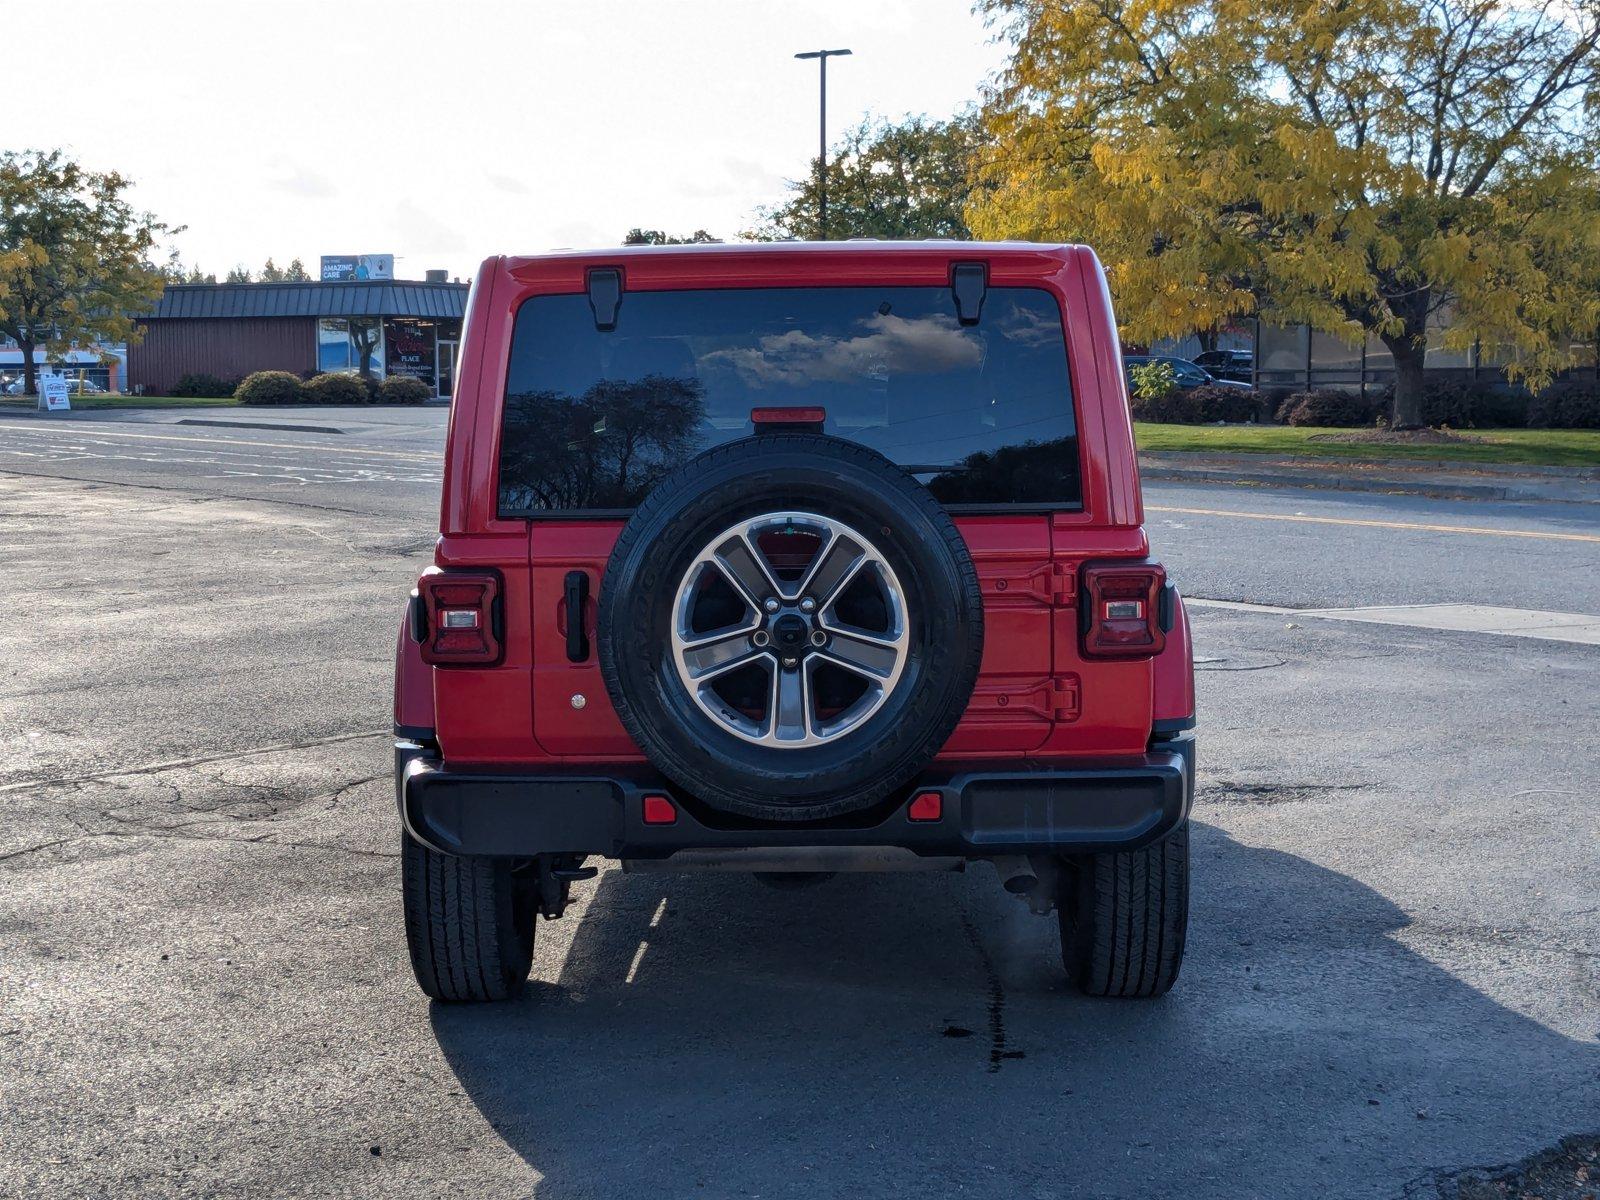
[1393, 974]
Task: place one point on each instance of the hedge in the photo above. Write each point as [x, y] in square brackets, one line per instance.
[270, 387]
[402, 389]
[337, 387]
[1204, 405]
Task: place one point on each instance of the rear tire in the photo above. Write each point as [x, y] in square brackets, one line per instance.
[469, 923]
[1124, 918]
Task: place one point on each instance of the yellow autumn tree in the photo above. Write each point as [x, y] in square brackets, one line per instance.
[1366, 166]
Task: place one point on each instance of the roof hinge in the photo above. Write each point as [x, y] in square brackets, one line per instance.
[969, 281]
[605, 296]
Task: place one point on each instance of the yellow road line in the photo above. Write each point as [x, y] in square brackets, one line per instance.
[1256, 516]
[205, 438]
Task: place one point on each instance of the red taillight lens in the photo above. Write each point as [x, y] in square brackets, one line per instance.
[462, 623]
[1122, 611]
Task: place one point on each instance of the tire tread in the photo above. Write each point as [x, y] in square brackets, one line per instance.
[460, 925]
[1125, 922]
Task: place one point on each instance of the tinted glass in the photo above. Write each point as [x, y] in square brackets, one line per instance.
[981, 414]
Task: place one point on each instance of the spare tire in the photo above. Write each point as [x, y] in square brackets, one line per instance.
[790, 627]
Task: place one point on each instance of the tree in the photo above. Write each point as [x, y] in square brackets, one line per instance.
[655, 237]
[908, 180]
[295, 272]
[238, 274]
[271, 273]
[75, 257]
[1369, 167]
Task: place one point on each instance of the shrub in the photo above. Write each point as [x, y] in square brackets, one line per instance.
[1204, 405]
[1463, 404]
[200, 383]
[269, 387]
[1567, 404]
[1152, 380]
[337, 387]
[1327, 406]
[402, 389]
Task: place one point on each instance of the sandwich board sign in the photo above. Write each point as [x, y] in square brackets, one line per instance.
[53, 394]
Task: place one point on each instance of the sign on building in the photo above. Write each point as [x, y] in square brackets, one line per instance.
[53, 394]
[340, 268]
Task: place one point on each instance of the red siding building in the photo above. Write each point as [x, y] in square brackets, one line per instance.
[228, 330]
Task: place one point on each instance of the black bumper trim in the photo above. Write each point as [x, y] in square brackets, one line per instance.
[1119, 804]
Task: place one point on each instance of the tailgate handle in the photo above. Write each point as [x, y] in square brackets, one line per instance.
[577, 595]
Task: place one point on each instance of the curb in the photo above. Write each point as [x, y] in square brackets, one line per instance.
[285, 428]
[1395, 467]
[1340, 483]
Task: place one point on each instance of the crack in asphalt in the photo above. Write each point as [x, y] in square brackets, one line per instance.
[169, 834]
[178, 763]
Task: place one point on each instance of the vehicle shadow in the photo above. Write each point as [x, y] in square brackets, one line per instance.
[914, 1036]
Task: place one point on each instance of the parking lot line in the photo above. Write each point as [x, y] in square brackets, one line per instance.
[208, 440]
[1369, 524]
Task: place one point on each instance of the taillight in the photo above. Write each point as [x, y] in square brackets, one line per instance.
[461, 618]
[1123, 613]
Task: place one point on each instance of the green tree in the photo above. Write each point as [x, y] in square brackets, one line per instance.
[656, 237]
[75, 257]
[907, 180]
[295, 272]
[1153, 380]
[1370, 167]
[271, 273]
[239, 274]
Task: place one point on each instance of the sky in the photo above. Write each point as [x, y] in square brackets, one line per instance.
[446, 131]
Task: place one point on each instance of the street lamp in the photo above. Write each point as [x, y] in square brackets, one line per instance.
[822, 57]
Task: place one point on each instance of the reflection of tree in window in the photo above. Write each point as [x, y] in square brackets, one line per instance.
[1032, 472]
[364, 336]
[603, 449]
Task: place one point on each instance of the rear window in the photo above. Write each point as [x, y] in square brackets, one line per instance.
[981, 414]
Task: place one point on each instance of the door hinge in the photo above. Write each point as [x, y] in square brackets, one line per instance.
[1064, 698]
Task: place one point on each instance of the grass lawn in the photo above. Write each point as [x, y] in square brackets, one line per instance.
[1537, 447]
[113, 401]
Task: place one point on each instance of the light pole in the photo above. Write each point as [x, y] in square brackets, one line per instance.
[822, 57]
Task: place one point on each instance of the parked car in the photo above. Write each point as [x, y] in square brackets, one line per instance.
[793, 559]
[1236, 365]
[18, 386]
[1184, 372]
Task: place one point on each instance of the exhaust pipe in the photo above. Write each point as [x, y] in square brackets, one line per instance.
[1017, 875]
[1033, 880]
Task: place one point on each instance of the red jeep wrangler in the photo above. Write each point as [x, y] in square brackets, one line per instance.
[793, 559]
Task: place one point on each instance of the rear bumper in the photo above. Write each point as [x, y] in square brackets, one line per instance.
[1115, 804]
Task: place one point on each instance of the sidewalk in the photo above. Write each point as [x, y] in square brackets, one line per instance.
[1445, 480]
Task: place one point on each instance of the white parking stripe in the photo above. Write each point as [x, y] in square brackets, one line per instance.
[1464, 618]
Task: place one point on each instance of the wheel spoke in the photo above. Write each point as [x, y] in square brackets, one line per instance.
[746, 569]
[838, 563]
[717, 654]
[863, 653]
[790, 716]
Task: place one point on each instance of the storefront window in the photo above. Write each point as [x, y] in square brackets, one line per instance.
[350, 344]
[409, 346]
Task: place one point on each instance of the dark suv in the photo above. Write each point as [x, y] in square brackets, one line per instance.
[793, 559]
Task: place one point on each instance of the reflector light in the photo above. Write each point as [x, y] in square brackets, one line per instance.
[929, 806]
[1121, 611]
[658, 810]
